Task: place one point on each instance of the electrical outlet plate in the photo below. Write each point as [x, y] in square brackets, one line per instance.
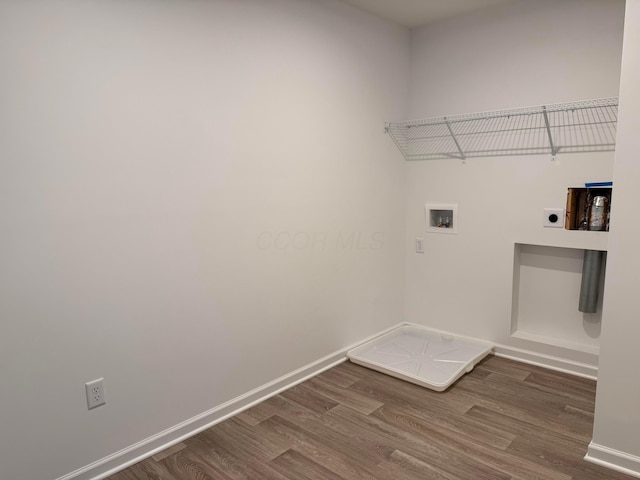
[553, 218]
[95, 393]
[419, 245]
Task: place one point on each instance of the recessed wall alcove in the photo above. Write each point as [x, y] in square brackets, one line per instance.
[546, 289]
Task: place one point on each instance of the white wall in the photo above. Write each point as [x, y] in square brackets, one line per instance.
[615, 435]
[196, 198]
[524, 54]
[533, 52]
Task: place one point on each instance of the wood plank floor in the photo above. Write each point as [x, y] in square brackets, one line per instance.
[503, 421]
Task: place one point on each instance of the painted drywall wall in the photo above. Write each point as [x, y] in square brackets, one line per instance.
[533, 52]
[528, 53]
[197, 198]
[618, 395]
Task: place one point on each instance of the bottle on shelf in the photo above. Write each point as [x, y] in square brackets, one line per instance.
[598, 213]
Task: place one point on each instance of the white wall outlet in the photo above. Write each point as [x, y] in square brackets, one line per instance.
[419, 245]
[95, 393]
[553, 217]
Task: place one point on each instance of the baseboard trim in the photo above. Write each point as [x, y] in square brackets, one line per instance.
[546, 361]
[613, 459]
[137, 452]
[150, 446]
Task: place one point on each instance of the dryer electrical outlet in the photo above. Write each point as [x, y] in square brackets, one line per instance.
[553, 217]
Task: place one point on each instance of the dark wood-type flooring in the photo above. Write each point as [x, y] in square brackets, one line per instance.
[503, 421]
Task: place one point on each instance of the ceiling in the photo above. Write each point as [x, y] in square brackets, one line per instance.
[417, 13]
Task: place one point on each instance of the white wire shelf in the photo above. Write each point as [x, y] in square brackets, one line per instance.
[584, 126]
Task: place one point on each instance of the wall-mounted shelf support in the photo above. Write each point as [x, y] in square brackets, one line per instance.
[546, 122]
[584, 126]
[455, 140]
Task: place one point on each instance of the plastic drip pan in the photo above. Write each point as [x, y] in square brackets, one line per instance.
[431, 359]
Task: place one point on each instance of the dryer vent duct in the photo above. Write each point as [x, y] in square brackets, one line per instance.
[592, 266]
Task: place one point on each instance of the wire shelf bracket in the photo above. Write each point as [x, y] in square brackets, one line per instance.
[583, 126]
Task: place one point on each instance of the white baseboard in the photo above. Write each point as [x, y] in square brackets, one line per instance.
[137, 452]
[613, 459]
[546, 361]
[150, 446]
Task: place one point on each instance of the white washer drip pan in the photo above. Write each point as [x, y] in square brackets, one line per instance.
[431, 359]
